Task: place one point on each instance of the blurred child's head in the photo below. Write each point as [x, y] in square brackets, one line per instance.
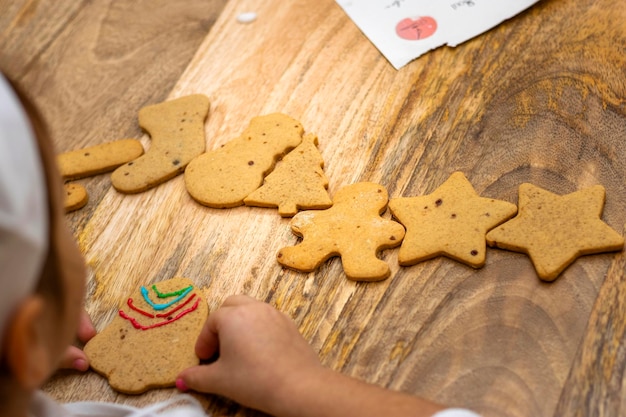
[41, 270]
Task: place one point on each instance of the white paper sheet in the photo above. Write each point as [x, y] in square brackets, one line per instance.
[402, 30]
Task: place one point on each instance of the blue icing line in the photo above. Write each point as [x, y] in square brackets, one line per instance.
[144, 292]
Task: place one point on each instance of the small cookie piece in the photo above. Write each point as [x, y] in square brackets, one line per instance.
[452, 221]
[222, 178]
[98, 159]
[352, 228]
[152, 338]
[76, 197]
[176, 128]
[554, 230]
[297, 183]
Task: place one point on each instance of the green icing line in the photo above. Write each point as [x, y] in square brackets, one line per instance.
[171, 294]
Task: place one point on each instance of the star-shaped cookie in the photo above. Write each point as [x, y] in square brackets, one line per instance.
[554, 230]
[451, 221]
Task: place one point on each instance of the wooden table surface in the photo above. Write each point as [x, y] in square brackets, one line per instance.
[540, 99]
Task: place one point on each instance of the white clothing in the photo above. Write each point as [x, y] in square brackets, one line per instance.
[456, 412]
[186, 406]
[179, 406]
[23, 206]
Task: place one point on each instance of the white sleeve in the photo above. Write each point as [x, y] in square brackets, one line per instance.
[456, 412]
[179, 406]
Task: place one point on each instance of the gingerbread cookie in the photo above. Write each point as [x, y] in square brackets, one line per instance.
[297, 183]
[98, 159]
[152, 339]
[451, 221]
[554, 230]
[76, 197]
[223, 177]
[352, 229]
[176, 128]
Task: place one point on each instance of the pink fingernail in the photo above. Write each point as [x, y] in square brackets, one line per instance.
[80, 365]
[180, 384]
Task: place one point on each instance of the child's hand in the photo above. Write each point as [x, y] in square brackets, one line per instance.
[260, 353]
[74, 358]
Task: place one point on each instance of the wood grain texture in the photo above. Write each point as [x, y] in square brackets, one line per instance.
[595, 385]
[91, 65]
[539, 99]
[27, 29]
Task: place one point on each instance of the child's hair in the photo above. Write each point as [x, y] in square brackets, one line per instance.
[49, 284]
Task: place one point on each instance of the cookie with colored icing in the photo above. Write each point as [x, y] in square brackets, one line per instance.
[554, 230]
[352, 229]
[152, 338]
[297, 183]
[223, 177]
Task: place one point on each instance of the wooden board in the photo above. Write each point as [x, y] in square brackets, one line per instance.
[539, 99]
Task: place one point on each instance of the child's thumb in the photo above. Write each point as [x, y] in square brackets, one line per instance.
[201, 378]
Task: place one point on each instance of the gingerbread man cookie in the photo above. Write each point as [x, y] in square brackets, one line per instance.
[352, 229]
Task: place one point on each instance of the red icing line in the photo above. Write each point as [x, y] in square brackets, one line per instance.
[169, 313]
[138, 310]
[138, 325]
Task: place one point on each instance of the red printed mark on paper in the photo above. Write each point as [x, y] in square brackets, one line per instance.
[414, 29]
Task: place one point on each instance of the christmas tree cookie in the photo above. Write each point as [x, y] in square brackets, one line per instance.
[298, 182]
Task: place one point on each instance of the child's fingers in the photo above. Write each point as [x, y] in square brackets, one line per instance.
[85, 327]
[74, 358]
[207, 344]
[201, 378]
[237, 300]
